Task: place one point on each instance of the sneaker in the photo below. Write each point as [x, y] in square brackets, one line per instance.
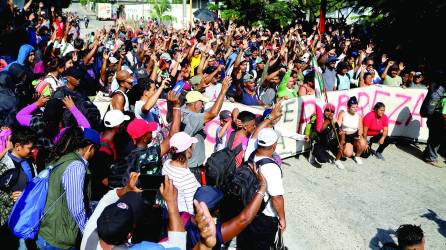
[379, 156]
[339, 164]
[435, 164]
[357, 160]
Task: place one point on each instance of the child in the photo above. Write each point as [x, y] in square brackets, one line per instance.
[224, 130]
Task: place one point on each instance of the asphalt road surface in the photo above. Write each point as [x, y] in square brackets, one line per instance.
[361, 206]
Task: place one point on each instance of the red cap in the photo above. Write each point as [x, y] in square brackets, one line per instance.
[329, 106]
[139, 127]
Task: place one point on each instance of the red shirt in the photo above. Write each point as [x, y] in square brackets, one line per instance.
[375, 124]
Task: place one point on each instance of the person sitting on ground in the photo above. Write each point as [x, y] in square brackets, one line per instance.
[351, 124]
[327, 139]
[376, 127]
[410, 237]
[176, 168]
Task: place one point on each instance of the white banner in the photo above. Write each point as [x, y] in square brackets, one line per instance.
[402, 108]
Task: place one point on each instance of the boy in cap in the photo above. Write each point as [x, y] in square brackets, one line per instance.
[224, 130]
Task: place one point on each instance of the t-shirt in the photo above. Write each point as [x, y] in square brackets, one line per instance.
[212, 92]
[393, 81]
[150, 116]
[375, 125]
[146, 160]
[329, 76]
[185, 182]
[248, 99]
[343, 82]
[193, 125]
[221, 143]
[237, 141]
[273, 177]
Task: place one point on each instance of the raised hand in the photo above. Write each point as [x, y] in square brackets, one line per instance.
[42, 101]
[168, 191]
[226, 83]
[205, 224]
[401, 66]
[369, 49]
[173, 97]
[384, 58]
[68, 101]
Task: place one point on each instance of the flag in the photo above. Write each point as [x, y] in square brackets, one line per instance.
[322, 16]
[318, 80]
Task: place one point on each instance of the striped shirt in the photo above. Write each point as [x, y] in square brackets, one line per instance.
[73, 184]
[185, 182]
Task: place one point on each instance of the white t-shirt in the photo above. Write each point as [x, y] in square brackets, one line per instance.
[273, 177]
[212, 92]
[185, 182]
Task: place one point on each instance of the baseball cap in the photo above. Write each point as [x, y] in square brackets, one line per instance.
[195, 80]
[209, 195]
[332, 59]
[92, 136]
[117, 220]
[166, 57]
[248, 78]
[114, 118]
[267, 137]
[182, 141]
[225, 114]
[194, 96]
[139, 127]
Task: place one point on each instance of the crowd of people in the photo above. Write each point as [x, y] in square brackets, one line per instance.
[123, 175]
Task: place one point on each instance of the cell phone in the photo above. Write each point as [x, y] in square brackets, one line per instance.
[148, 182]
[179, 87]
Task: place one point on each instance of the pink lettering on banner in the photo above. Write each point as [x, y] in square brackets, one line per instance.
[305, 114]
[414, 111]
[377, 93]
[363, 105]
[342, 103]
[405, 100]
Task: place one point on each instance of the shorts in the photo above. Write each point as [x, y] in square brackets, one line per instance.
[351, 138]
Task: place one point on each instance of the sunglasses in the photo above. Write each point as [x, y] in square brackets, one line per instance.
[329, 110]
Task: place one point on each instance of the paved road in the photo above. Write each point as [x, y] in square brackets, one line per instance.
[93, 25]
[361, 206]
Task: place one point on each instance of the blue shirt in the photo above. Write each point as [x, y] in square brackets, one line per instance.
[248, 99]
[25, 165]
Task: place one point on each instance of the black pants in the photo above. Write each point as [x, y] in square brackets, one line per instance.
[376, 138]
[260, 235]
[321, 151]
[437, 130]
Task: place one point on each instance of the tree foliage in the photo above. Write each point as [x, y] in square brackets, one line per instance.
[158, 11]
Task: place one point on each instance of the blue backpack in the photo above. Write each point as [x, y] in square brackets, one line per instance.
[29, 210]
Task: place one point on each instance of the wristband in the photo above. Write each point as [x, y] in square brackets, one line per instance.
[177, 108]
[262, 194]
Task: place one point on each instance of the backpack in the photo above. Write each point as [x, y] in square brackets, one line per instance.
[432, 100]
[242, 186]
[310, 128]
[221, 164]
[29, 210]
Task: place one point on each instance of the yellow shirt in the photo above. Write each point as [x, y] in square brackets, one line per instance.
[194, 62]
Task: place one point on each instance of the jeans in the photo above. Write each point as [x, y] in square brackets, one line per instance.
[437, 130]
[260, 235]
[44, 245]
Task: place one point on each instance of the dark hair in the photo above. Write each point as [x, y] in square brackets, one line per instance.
[71, 140]
[54, 63]
[352, 101]
[409, 235]
[78, 43]
[246, 116]
[23, 136]
[180, 157]
[378, 105]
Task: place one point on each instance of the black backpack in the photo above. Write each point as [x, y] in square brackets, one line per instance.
[241, 188]
[431, 101]
[221, 164]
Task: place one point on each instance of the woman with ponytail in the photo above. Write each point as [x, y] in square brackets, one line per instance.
[178, 171]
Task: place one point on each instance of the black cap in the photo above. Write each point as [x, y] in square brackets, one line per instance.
[117, 220]
[73, 72]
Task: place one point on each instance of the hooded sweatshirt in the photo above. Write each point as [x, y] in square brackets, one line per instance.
[22, 57]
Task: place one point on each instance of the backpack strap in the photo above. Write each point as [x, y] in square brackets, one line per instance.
[264, 161]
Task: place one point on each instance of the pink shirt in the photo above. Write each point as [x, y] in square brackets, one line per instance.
[375, 125]
[237, 141]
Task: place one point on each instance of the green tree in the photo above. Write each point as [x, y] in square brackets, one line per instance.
[159, 9]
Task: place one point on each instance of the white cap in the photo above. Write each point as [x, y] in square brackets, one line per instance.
[113, 59]
[267, 137]
[182, 141]
[115, 118]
